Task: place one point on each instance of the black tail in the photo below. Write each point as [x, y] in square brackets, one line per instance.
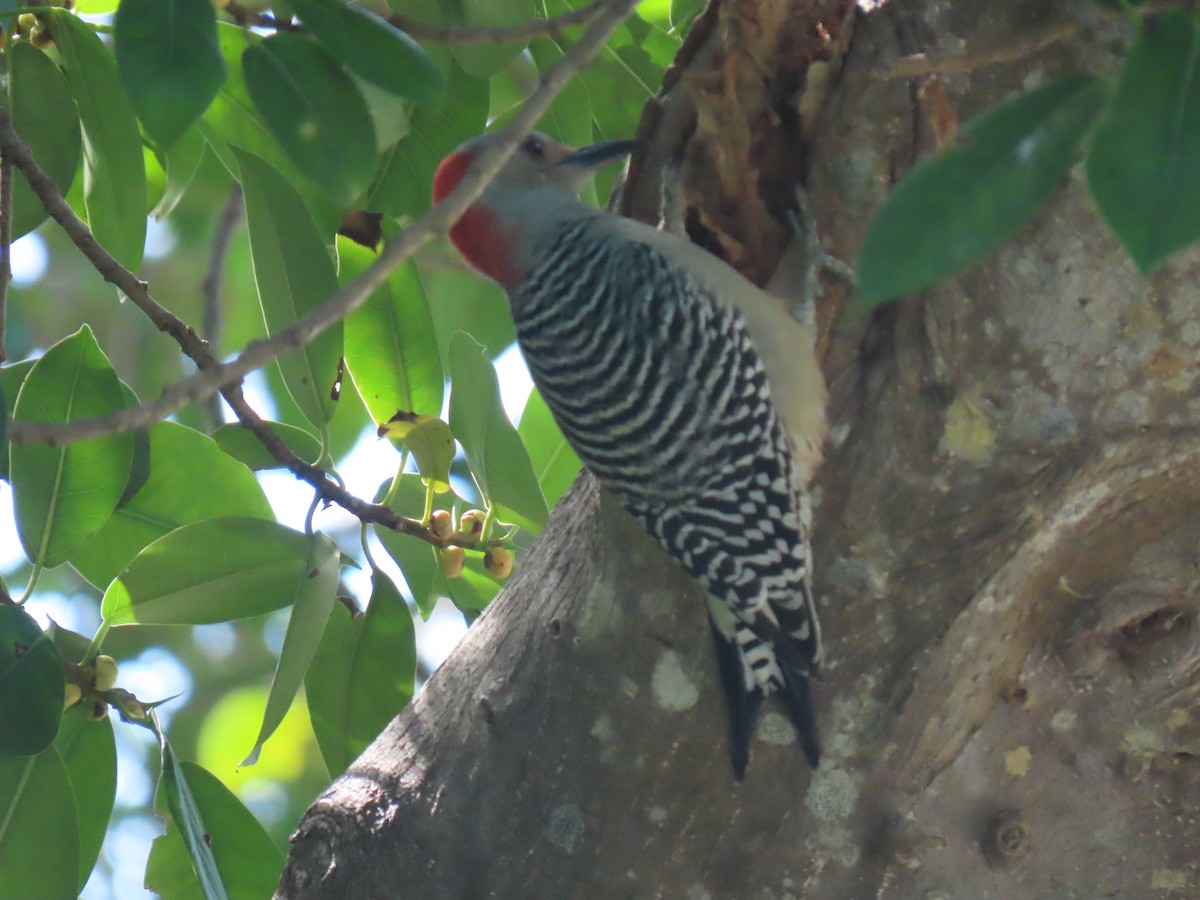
[797, 687]
[743, 705]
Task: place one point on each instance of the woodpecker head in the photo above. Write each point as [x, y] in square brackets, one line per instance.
[531, 198]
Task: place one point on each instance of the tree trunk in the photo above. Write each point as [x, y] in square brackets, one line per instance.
[1007, 543]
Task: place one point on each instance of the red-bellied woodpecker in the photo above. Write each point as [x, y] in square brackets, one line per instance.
[690, 393]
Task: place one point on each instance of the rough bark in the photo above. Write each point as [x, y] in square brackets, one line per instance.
[1007, 547]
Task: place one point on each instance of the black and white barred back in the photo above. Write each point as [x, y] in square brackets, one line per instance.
[661, 393]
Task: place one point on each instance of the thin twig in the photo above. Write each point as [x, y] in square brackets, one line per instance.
[6, 177]
[249, 18]
[195, 388]
[211, 288]
[498, 34]
[443, 34]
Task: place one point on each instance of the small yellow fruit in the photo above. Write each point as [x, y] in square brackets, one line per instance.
[453, 560]
[471, 523]
[26, 21]
[72, 694]
[499, 562]
[441, 523]
[106, 672]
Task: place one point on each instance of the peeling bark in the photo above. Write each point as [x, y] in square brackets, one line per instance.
[1007, 538]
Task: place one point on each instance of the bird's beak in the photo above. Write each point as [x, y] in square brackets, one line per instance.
[593, 156]
[577, 168]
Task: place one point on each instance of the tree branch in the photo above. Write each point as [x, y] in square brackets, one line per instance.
[343, 301]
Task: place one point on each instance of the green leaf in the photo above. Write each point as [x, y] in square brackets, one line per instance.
[169, 62]
[31, 685]
[211, 571]
[431, 443]
[474, 589]
[242, 444]
[190, 480]
[197, 835]
[1144, 165]
[363, 674]
[63, 495]
[462, 301]
[89, 752]
[554, 462]
[569, 118]
[114, 183]
[39, 836]
[315, 111]
[418, 560]
[406, 174]
[372, 48]
[139, 467]
[391, 346]
[44, 114]
[4, 416]
[952, 210]
[246, 859]
[11, 379]
[180, 163]
[315, 594]
[485, 60]
[232, 121]
[495, 454]
[293, 273]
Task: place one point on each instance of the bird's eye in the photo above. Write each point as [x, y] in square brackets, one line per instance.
[534, 147]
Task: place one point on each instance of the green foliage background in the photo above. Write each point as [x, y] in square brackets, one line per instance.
[143, 541]
[172, 110]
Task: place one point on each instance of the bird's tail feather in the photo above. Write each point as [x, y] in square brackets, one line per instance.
[744, 703]
[796, 666]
